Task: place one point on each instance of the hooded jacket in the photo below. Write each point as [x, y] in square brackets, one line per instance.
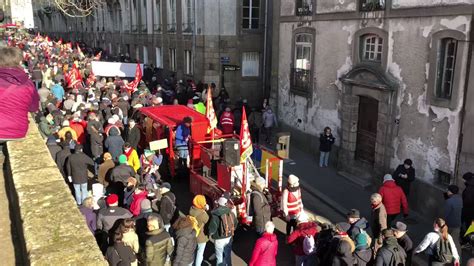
[385, 255]
[296, 238]
[185, 246]
[392, 197]
[202, 217]
[158, 246]
[354, 230]
[215, 223]
[114, 143]
[18, 96]
[343, 255]
[265, 251]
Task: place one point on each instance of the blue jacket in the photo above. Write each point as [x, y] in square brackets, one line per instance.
[58, 91]
[452, 211]
[182, 134]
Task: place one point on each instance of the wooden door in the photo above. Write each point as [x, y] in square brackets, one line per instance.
[367, 129]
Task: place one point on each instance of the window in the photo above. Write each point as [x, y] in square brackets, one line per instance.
[372, 48]
[157, 16]
[445, 67]
[187, 16]
[372, 5]
[304, 7]
[250, 64]
[137, 54]
[133, 10]
[119, 48]
[172, 59]
[301, 72]
[171, 18]
[251, 14]
[144, 16]
[145, 55]
[110, 48]
[158, 56]
[188, 62]
[444, 178]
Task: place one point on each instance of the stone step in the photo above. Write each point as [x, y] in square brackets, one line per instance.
[362, 181]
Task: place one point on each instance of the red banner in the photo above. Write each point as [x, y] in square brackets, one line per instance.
[245, 140]
[132, 86]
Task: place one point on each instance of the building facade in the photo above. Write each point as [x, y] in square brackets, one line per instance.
[189, 38]
[392, 78]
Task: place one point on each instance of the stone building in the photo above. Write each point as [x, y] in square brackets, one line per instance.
[190, 38]
[392, 78]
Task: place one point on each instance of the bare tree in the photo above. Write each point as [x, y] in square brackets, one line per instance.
[78, 8]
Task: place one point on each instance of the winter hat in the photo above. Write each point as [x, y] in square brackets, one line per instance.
[199, 202]
[112, 199]
[122, 159]
[65, 123]
[361, 241]
[387, 177]
[222, 201]
[107, 156]
[353, 213]
[145, 204]
[148, 153]
[453, 189]
[166, 185]
[400, 226]
[467, 176]
[293, 180]
[303, 217]
[111, 120]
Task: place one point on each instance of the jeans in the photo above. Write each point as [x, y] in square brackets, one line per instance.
[199, 253]
[324, 158]
[303, 260]
[80, 192]
[290, 226]
[223, 251]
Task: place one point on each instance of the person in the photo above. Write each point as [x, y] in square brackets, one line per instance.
[159, 244]
[96, 139]
[133, 136]
[379, 218]
[341, 247]
[114, 143]
[391, 253]
[66, 128]
[404, 175]
[17, 93]
[255, 121]
[79, 126]
[183, 133]
[221, 228]
[129, 237]
[120, 175]
[45, 127]
[468, 200]
[227, 121]
[139, 194]
[305, 228]
[87, 210]
[105, 169]
[326, 140]
[185, 242]
[292, 203]
[260, 200]
[167, 205]
[61, 159]
[434, 240]
[266, 248]
[392, 197]
[77, 173]
[141, 220]
[269, 122]
[358, 224]
[363, 252]
[58, 91]
[107, 217]
[400, 232]
[453, 213]
[119, 253]
[132, 156]
[199, 211]
[53, 146]
[129, 191]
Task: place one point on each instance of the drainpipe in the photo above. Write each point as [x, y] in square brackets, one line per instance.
[193, 55]
[265, 51]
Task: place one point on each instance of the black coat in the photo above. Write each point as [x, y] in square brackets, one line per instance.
[385, 255]
[326, 142]
[468, 201]
[119, 254]
[167, 207]
[402, 182]
[185, 246]
[134, 137]
[61, 158]
[121, 173]
[54, 149]
[77, 167]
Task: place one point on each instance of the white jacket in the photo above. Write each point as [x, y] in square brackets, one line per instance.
[429, 244]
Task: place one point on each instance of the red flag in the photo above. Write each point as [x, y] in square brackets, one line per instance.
[132, 86]
[73, 78]
[245, 140]
[98, 56]
[210, 113]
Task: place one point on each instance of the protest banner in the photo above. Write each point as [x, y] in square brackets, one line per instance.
[114, 69]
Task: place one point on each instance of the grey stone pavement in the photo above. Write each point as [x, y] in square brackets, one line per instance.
[6, 237]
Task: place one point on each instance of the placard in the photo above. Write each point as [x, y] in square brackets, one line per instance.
[158, 144]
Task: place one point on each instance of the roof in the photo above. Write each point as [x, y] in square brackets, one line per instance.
[172, 115]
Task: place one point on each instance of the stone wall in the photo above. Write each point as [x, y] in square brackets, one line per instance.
[55, 232]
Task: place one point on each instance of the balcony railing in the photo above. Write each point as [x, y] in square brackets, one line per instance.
[372, 5]
[187, 27]
[300, 80]
[157, 27]
[171, 27]
[143, 27]
[304, 10]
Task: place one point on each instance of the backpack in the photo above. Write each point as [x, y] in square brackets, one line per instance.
[367, 237]
[226, 226]
[398, 256]
[195, 223]
[443, 252]
[309, 245]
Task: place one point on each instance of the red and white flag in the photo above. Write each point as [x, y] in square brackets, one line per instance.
[132, 86]
[210, 113]
[73, 78]
[98, 56]
[246, 148]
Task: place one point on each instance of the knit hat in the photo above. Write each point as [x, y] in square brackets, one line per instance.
[387, 177]
[107, 156]
[145, 204]
[199, 202]
[112, 199]
[148, 153]
[293, 180]
[222, 201]
[361, 241]
[122, 159]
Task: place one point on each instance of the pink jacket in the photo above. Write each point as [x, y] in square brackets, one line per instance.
[265, 251]
[18, 96]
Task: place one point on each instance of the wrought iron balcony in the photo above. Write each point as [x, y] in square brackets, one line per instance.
[372, 5]
[157, 27]
[304, 9]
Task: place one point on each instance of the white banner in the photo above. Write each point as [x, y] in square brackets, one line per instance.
[114, 69]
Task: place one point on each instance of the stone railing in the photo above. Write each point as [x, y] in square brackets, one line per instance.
[53, 229]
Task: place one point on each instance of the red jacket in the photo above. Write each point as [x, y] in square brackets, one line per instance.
[18, 96]
[265, 251]
[79, 127]
[297, 237]
[393, 197]
[227, 123]
[135, 207]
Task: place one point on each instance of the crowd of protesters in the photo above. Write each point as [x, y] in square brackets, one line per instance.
[90, 129]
